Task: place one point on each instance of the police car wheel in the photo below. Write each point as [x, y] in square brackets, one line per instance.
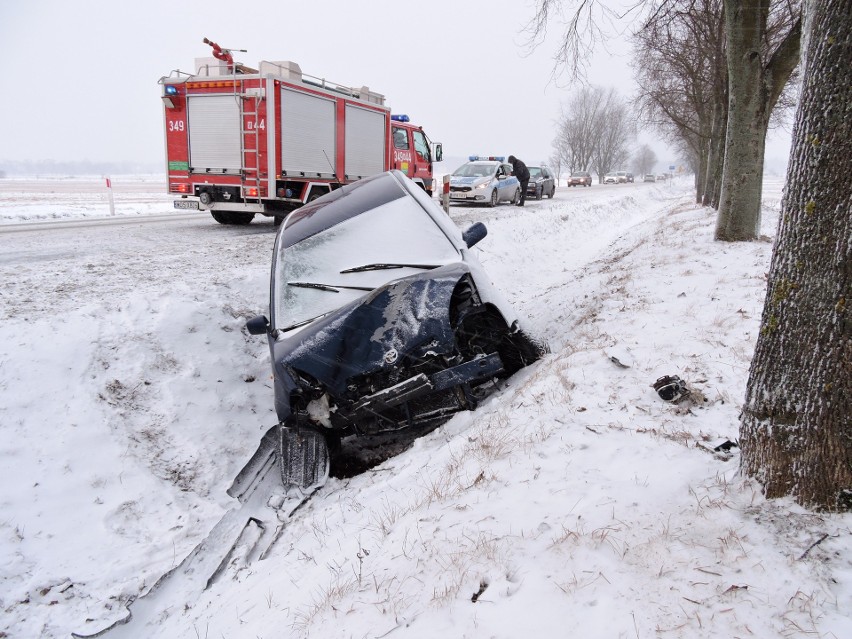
[494, 198]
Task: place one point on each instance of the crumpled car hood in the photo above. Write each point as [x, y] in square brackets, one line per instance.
[406, 317]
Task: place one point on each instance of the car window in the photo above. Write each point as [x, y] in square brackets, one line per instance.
[534, 171]
[421, 146]
[474, 169]
[400, 139]
[408, 236]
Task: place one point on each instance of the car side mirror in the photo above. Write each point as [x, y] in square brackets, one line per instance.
[473, 234]
[439, 152]
[258, 325]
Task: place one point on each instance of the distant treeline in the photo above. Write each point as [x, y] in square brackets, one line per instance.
[77, 167]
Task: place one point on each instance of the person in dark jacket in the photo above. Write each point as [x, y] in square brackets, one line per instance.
[520, 171]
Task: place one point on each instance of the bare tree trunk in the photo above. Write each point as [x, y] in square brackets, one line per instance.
[739, 210]
[713, 184]
[796, 425]
[754, 85]
[701, 173]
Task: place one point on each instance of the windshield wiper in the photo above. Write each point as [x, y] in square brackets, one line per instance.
[384, 267]
[302, 323]
[327, 287]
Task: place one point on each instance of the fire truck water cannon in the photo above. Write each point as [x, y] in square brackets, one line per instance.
[220, 53]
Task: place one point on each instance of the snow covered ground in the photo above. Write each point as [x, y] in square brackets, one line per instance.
[573, 503]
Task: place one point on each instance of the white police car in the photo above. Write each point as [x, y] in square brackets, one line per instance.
[485, 180]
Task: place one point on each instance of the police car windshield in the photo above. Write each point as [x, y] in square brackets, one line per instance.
[475, 169]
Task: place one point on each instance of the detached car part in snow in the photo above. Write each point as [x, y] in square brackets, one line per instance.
[381, 321]
[670, 388]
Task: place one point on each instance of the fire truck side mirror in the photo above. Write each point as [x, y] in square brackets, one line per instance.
[439, 152]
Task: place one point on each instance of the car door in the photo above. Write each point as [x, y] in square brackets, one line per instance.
[547, 185]
[508, 186]
[500, 181]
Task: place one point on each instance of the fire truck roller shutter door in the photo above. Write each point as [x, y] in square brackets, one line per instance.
[366, 143]
[307, 134]
[214, 140]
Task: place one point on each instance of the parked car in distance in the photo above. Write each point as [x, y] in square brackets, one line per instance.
[661, 178]
[485, 180]
[649, 177]
[622, 177]
[610, 178]
[541, 182]
[630, 177]
[580, 178]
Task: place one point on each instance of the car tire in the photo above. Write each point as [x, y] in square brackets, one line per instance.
[552, 192]
[538, 193]
[494, 198]
[517, 198]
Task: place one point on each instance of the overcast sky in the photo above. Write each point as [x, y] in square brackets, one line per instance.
[81, 77]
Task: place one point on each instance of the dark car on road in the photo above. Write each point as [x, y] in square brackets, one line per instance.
[580, 178]
[541, 182]
[382, 321]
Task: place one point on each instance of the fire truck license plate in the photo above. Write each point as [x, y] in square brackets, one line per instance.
[186, 204]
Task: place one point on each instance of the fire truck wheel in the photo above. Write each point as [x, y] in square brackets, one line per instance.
[232, 217]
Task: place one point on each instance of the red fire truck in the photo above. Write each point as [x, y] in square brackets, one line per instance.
[242, 141]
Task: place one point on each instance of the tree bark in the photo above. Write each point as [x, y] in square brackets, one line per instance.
[796, 424]
[702, 173]
[716, 157]
[753, 90]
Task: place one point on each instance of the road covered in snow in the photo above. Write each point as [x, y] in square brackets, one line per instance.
[575, 501]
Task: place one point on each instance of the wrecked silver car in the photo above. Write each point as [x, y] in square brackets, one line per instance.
[381, 321]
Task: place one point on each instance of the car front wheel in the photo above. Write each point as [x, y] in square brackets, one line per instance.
[517, 199]
[494, 198]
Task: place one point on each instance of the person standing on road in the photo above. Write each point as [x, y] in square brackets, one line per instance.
[520, 171]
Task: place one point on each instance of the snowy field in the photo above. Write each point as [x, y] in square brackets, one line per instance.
[573, 503]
